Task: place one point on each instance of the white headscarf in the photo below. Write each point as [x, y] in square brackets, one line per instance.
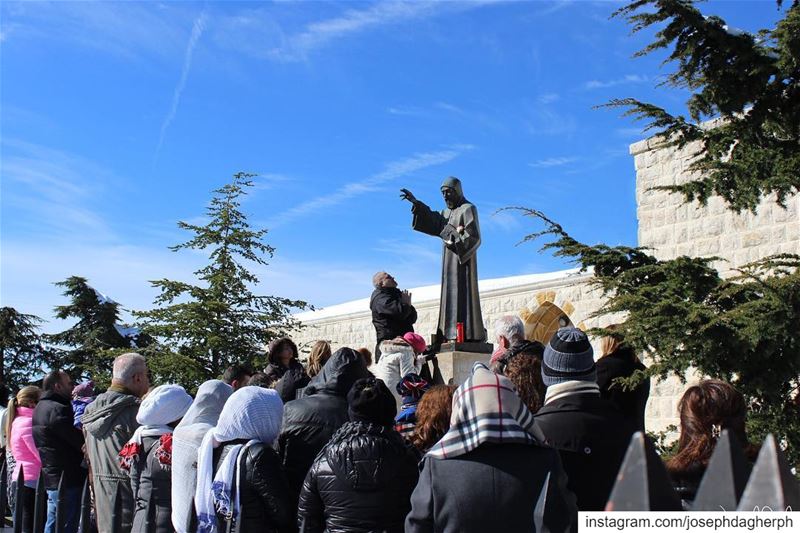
[251, 413]
[162, 405]
[198, 420]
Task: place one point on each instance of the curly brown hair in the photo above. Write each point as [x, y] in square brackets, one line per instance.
[525, 372]
[705, 410]
[433, 416]
[277, 346]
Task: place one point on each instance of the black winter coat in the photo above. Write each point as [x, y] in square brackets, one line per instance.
[495, 487]
[310, 422]
[151, 484]
[592, 437]
[292, 381]
[59, 442]
[266, 506]
[361, 482]
[276, 371]
[631, 403]
[686, 482]
[390, 316]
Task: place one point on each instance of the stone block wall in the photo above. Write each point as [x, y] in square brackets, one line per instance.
[672, 228]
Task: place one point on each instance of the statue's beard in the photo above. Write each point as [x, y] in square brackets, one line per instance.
[451, 204]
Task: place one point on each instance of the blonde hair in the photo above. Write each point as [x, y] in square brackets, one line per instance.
[610, 343]
[320, 353]
[26, 397]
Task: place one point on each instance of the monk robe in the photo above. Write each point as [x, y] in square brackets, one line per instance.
[458, 228]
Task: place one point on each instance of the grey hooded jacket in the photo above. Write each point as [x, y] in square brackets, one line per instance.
[109, 422]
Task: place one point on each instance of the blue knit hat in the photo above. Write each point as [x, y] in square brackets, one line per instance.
[568, 357]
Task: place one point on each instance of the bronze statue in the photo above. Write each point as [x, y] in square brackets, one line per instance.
[457, 226]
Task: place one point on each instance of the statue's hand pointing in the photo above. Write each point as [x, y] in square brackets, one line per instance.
[408, 195]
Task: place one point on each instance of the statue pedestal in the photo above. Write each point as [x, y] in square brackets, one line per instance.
[456, 359]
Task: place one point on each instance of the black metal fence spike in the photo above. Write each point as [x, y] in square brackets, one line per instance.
[85, 525]
[60, 503]
[725, 478]
[19, 500]
[40, 506]
[771, 485]
[642, 482]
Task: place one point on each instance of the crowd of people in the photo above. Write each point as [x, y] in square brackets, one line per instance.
[344, 444]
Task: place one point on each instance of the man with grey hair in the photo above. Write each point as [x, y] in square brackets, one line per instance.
[392, 312]
[509, 333]
[109, 422]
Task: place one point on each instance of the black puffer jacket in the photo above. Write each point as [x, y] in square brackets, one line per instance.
[362, 481]
[308, 423]
[265, 502]
[292, 381]
[390, 316]
[59, 442]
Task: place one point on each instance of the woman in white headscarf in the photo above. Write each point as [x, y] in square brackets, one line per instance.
[240, 483]
[201, 417]
[147, 457]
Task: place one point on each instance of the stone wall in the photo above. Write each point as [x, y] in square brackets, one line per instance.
[674, 229]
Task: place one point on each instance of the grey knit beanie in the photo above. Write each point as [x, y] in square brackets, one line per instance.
[568, 357]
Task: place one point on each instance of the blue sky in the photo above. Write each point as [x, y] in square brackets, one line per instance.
[119, 118]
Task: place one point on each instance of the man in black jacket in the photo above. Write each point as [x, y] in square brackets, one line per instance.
[60, 446]
[392, 312]
[589, 432]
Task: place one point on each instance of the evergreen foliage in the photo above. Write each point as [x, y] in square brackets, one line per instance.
[750, 82]
[21, 350]
[217, 321]
[88, 348]
[683, 315]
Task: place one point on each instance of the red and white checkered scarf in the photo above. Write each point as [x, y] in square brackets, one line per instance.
[486, 408]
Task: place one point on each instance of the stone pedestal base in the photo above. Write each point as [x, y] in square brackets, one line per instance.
[456, 365]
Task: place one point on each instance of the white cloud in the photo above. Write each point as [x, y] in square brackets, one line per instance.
[625, 80]
[269, 180]
[197, 30]
[391, 172]
[631, 132]
[275, 43]
[546, 121]
[449, 107]
[127, 29]
[407, 111]
[55, 192]
[318, 34]
[552, 162]
[409, 250]
[505, 221]
[548, 98]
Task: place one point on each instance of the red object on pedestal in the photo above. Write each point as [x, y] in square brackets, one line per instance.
[460, 332]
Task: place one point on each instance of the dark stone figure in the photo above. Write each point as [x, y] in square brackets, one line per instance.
[458, 227]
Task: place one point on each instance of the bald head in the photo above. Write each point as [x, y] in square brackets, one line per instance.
[130, 371]
[383, 279]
